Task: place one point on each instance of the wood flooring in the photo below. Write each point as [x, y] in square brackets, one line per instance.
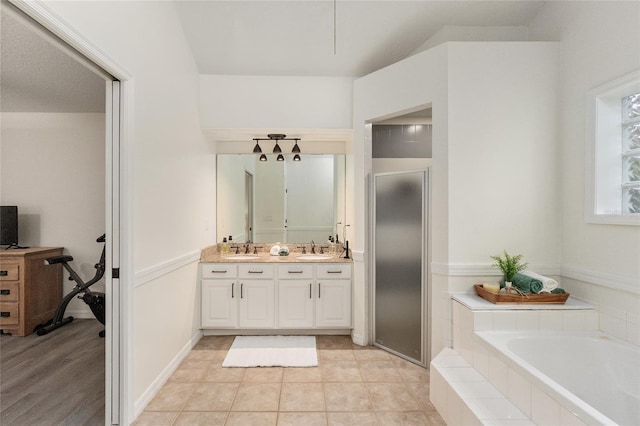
[56, 379]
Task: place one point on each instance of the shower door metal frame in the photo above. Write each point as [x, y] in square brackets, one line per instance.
[425, 245]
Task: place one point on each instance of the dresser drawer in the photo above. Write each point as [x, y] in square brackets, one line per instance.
[219, 270]
[9, 272]
[294, 271]
[336, 270]
[255, 270]
[9, 313]
[9, 291]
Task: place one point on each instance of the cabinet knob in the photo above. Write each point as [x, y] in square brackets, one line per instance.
[5, 314]
[5, 292]
[4, 273]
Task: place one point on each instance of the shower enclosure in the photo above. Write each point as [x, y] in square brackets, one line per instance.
[400, 226]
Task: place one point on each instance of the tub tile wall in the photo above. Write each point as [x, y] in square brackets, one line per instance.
[519, 391]
[544, 410]
[463, 396]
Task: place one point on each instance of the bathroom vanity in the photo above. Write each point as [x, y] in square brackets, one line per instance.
[275, 294]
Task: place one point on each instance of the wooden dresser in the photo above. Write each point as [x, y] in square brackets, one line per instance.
[30, 290]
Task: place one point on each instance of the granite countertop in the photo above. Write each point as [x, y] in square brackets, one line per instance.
[212, 255]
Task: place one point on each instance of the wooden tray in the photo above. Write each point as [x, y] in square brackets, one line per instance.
[528, 299]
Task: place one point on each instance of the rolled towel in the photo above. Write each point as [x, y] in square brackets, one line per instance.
[526, 284]
[548, 284]
[558, 291]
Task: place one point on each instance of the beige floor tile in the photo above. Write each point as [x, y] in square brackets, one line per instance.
[403, 419]
[190, 372]
[333, 342]
[335, 355]
[252, 419]
[411, 372]
[257, 397]
[214, 342]
[352, 419]
[302, 419]
[372, 355]
[263, 375]
[307, 374]
[194, 418]
[340, 371]
[212, 397]
[433, 418]
[156, 418]
[206, 355]
[302, 397]
[391, 397]
[420, 392]
[218, 373]
[379, 371]
[347, 397]
[172, 397]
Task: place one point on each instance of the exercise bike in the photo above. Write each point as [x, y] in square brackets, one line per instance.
[94, 299]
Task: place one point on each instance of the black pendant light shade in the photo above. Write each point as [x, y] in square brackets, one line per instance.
[277, 137]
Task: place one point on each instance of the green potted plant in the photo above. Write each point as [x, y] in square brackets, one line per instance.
[509, 265]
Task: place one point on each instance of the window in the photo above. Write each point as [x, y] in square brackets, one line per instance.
[613, 163]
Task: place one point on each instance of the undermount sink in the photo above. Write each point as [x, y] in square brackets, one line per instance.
[314, 257]
[242, 257]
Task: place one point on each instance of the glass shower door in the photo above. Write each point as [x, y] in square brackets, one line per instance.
[399, 242]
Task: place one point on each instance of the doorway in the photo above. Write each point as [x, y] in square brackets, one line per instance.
[60, 39]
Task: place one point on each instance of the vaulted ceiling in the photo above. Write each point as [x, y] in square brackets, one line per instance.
[291, 37]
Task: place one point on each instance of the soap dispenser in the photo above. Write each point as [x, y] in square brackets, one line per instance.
[224, 248]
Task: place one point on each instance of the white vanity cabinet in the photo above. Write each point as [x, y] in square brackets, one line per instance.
[219, 295]
[295, 296]
[333, 297]
[257, 296]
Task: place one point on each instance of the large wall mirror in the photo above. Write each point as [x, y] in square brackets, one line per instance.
[280, 201]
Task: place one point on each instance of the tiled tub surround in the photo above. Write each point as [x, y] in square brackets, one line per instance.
[477, 392]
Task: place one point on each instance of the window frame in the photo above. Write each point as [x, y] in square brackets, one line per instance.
[603, 168]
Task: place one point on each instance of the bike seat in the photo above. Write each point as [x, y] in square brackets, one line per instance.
[101, 238]
[59, 259]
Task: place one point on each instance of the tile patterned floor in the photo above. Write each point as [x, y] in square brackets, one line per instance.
[352, 385]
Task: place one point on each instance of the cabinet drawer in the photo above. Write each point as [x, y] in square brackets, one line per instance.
[9, 272]
[9, 291]
[295, 271]
[336, 270]
[9, 313]
[219, 270]
[255, 270]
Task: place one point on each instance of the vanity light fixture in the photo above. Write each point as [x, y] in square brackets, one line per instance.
[277, 137]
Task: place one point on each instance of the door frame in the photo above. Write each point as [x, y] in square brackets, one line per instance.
[119, 407]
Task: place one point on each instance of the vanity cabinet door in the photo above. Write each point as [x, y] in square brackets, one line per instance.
[333, 303]
[295, 303]
[219, 303]
[257, 304]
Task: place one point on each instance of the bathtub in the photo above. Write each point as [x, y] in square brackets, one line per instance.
[595, 376]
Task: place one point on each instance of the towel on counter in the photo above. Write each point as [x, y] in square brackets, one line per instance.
[548, 284]
[526, 284]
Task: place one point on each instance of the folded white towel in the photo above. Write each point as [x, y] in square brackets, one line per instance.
[548, 284]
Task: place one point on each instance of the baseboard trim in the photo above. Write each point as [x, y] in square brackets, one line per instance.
[149, 274]
[162, 378]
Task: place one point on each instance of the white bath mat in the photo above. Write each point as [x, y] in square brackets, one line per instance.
[272, 351]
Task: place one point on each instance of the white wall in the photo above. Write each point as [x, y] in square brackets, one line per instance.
[600, 41]
[275, 102]
[52, 168]
[493, 172]
[173, 191]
